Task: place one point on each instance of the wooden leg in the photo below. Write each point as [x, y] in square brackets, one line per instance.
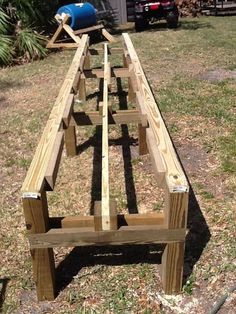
[37, 219]
[70, 141]
[143, 149]
[82, 89]
[131, 93]
[44, 273]
[172, 268]
[175, 212]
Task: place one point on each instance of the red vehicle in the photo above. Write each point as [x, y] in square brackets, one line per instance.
[151, 11]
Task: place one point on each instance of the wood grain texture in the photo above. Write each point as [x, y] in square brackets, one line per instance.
[176, 206]
[94, 118]
[87, 236]
[105, 209]
[68, 110]
[143, 150]
[123, 220]
[157, 163]
[175, 177]
[37, 221]
[54, 162]
[108, 36]
[70, 141]
[99, 73]
[34, 180]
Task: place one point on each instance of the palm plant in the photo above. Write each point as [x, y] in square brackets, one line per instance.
[19, 22]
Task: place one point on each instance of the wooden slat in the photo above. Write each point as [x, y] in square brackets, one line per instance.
[125, 235]
[34, 180]
[175, 177]
[108, 36]
[105, 210]
[68, 110]
[157, 163]
[123, 220]
[88, 29]
[176, 206]
[117, 117]
[54, 162]
[68, 29]
[99, 73]
[36, 219]
[100, 51]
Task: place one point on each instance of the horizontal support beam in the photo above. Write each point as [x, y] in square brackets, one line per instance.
[99, 73]
[94, 118]
[88, 237]
[100, 51]
[123, 220]
[54, 162]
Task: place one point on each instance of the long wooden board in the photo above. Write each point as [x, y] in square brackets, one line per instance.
[174, 175]
[34, 180]
[87, 236]
[105, 210]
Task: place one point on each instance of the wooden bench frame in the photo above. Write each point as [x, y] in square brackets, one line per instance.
[105, 227]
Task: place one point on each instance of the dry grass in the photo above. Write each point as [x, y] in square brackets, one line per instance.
[200, 115]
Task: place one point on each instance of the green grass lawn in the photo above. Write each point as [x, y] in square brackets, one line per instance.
[192, 73]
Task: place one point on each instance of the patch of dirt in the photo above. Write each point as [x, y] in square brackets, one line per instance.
[218, 75]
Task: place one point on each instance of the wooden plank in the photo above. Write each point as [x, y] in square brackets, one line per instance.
[63, 45]
[88, 29]
[157, 162]
[70, 141]
[34, 180]
[51, 42]
[99, 73]
[112, 216]
[87, 236]
[54, 162]
[70, 32]
[100, 51]
[175, 177]
[75, 86]
[105, 209]
[68, 110]
[143, 150]
[140, 105]
[123, 220]
[118, 117]
[36, 218]
[108, 36]
[176, 207]
[82, 89]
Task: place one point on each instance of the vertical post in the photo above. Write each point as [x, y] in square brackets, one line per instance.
[176, 207]
[70, 141]
[36, 217]
[82, 89]
[143, 149]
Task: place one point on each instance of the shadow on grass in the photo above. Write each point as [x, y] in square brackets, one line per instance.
[196, 240]
[3, 287]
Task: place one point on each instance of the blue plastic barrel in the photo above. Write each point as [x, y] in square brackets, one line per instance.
[82, 15]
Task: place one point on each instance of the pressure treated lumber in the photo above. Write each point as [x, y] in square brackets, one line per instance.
[87, 236]
[117, 117]
[123, 220]
[175, 178]
[54, 162]
[176, 207]
[99, 73]
[37, 221]
[105, 209]
[34, 180]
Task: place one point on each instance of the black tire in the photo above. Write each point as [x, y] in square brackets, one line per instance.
[140, 24]
[172, 18]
